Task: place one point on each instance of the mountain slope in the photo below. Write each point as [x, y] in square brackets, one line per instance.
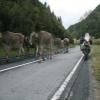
[91, 24]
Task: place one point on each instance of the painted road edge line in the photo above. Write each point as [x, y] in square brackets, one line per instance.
[20, 65]
[58, 93]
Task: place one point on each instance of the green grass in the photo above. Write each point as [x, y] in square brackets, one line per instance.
[96, 61]
[13, 52]
[2, 53]
[96, 41]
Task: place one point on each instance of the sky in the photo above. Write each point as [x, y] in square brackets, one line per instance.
[71, 10]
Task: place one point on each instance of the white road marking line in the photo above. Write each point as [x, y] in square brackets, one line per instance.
[23, 64]
[20, 65]
[57, 95]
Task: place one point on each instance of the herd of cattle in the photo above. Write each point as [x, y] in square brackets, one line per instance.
[44, 43]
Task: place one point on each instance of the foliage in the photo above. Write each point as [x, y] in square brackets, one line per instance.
[26, 16]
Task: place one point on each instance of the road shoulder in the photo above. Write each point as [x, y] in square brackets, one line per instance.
[95, 86]
[96, 71]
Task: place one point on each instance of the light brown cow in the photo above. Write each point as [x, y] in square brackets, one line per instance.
[62, 44]
[66, 44]
[43, 41]
[59, 45]
[34, 42]
[12, 41]
[57, 42]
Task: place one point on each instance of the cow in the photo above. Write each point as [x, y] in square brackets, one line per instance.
[34, 42]
[43, 43]
[11, 40]
[57, 44]
[66, 44]
[27, 45]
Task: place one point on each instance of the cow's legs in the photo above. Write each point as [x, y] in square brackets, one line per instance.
[41, 55]
[50, 51]
[37, 51]
[7, 52]
[21, 51]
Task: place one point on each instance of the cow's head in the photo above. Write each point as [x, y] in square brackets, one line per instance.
[33, 37]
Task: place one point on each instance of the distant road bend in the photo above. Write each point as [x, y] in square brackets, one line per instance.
[35, 81]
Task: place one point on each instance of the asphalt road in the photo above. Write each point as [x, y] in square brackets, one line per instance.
[82, 88]
[37, 81]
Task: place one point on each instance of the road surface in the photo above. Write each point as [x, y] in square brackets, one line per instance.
[37, 81]
[83, 87]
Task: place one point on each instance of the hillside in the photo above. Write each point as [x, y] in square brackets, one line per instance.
[29, 15]
[90, 24]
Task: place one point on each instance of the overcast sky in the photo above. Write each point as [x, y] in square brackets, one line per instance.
[71, 10]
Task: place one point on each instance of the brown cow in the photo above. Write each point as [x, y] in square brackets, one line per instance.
[11, 41]
[43, 42]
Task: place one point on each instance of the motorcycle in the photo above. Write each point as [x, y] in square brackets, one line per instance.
[85, 47]
[86, 50]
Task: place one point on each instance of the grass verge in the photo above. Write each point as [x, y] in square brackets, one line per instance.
[96, 61]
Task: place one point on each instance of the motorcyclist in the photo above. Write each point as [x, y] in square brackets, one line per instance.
[86, 48]
[85, 45]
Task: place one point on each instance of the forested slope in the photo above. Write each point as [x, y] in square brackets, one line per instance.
[29, 15]
[90, 24]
